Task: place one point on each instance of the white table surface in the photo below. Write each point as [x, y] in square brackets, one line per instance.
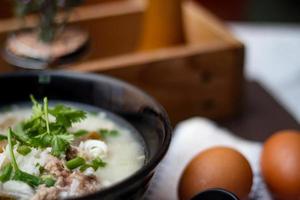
[273, 59]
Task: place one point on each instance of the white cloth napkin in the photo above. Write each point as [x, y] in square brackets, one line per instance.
[191, 137]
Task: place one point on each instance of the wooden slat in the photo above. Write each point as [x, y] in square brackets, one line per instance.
[6, 8]
[203, 27]
[82, 13]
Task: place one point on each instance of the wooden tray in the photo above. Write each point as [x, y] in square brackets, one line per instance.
[202, 77]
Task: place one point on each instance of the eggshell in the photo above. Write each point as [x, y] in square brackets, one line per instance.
[217, 167]
[280, 164]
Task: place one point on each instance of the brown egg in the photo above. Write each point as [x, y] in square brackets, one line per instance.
[218, 167]
[280, 164]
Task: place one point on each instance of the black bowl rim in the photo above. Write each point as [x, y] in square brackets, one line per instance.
[146, 169]
[219, 190]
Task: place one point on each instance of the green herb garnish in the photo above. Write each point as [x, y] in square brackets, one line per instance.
[98, 162]
[95, 164]
[2, 137]
[66, 116]
[11, 151]
[48, 181]
[5, 173]
[18, 174]
[23, 150]
[74, 163]
[80, 133]
[108, 133]
[41, 168]
[31, 180]
[40, 132]
[60, 143]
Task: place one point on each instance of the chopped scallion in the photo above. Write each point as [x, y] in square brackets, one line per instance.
[74, 163]
[107, 133]
[98, 162]
[27, 178]
[95, 164]
[80, 133]
[23, 150]
[49, 181]
[84, 167]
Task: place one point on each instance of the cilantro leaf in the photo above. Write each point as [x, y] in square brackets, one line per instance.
[60, 143]
[34, 126]
[65, 116]
[40, 132]
[37, 109]
[43, 140]
[20, 134]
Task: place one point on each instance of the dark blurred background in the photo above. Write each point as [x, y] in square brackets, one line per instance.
[233, 10]
[255, 10]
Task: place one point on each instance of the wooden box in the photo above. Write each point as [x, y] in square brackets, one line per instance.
[203, 77]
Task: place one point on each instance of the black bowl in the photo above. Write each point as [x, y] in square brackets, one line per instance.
[140, 110]
[215, 194]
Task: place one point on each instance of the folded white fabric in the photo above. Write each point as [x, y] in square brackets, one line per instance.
[191, 137]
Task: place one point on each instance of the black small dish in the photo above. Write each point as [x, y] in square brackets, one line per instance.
[133, 105]
[215, 194]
